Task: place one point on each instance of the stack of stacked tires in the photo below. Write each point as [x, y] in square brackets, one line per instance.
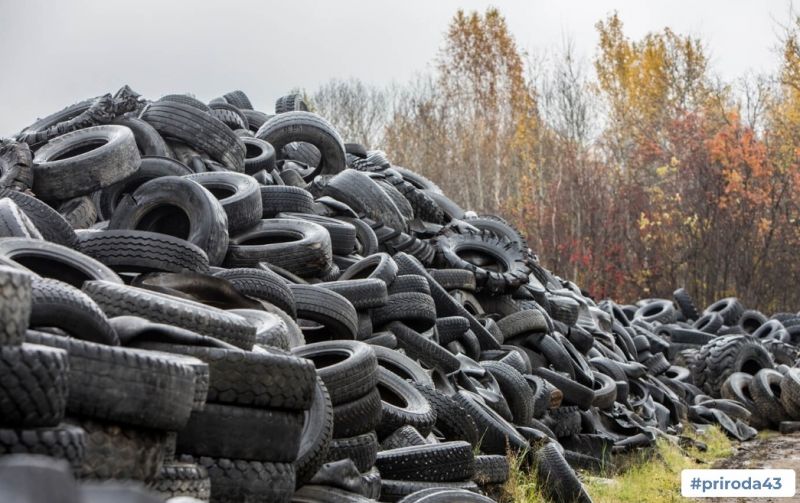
[229, 306]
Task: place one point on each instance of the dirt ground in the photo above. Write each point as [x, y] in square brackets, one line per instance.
[778, 451]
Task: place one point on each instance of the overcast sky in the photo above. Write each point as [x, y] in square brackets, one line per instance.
[58, 52]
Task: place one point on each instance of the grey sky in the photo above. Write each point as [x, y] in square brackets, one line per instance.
[58, 52]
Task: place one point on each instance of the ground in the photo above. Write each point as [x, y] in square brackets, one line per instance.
[768, 451]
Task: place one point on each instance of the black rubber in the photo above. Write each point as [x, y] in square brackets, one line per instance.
[158, 391]
[237, 480]
[121, 300]
[57, 304]
[725, 355]
[402, 405]
[348, 368]
[444, 462]
[361, 449]
[317, 434]
[142, 251]
[328, 308]
[33, 385]
[238, 194]
[178, 207]
[15, 305]
[225, 431]
[263, 284]
[302, 248]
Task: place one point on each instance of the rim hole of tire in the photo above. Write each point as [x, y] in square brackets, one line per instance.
[651, 310]
[169, 220]
[751, 367]
[389, 396]
[327, 359]
[269, 239]
[79, 149]
[775, 388]
[48, 268]
[396, 369]
[252, 151]
[365, 272]
[221, 192]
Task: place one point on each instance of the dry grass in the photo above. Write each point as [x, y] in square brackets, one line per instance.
[652, 475]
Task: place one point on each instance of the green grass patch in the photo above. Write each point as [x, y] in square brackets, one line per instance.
[652, 475]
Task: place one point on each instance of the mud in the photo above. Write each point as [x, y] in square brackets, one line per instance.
[778, 451]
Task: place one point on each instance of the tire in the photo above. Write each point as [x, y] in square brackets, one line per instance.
[725, 355]
[290, 103]
[661, 311]
[510, 260]
[16, 172]
[656, 364]
[262, 284]
[317, 434]
[303, 248]
[225, 431]
[343, 235]
[259, 156]
[229, 115]
[302, 126]
[33, 386]
[177, 207]
[574, 392]
[327, 308]
[158, 391]
[148, 141]
[689, 336]
[120, 452]
[556, 478]
[150, 168]
[57, 304]
[186, 480]
[77, 163]
[248, 379]
[405, 436]
[495, 433]
[79, 212]
[782, 352]
[451, 328]
[515, 389]
[416, 310]
[141, 251]
[564, 421]
[403, 366]
[121, 300]
[238, 99]
[197, 129]
[522, 322]
[361, 293]
[15, 305]
[362, 450]
[605, 391]
[54, 261]
[686, 304]
[52, 226]
[445, 462]
[14, 223]
[455, 279]
[236, 480]
[422, 349]
[492, 469]
[285, 198]
[729, 308]
[358, 416]
[751, 320]
[765, 389]
[348, 368]
[376, 266]
[185, 99]
[790, 393]
[366, 197]
[397, 490]
[709, 323]
[237, 193]
[450, 208]
[61, 442]
[402, 405]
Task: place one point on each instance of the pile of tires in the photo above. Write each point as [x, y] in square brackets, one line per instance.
[203, 302]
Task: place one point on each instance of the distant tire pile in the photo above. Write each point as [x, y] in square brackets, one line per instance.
[203, 302]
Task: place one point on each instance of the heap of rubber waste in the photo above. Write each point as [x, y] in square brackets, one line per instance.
[207, 303]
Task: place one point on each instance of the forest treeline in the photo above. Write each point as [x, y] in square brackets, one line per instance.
[634, 173]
